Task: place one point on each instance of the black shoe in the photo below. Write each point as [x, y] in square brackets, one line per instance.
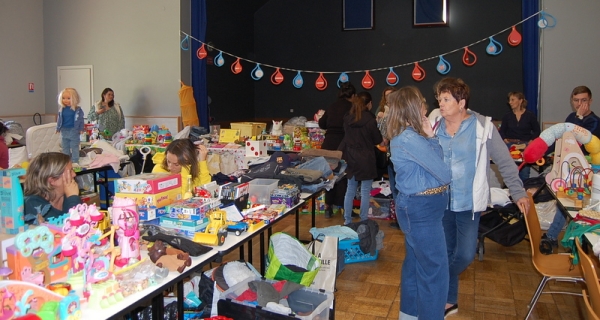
[547, 245]
[328, 213]
[451, 310]
[355, 215]
[395, 225]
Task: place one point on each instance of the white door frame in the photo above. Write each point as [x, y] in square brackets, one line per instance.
[85, 105]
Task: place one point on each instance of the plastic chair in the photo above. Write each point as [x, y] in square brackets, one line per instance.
[591, 280]
[552, 267]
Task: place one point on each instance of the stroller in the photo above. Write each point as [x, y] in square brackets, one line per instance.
[502, 224]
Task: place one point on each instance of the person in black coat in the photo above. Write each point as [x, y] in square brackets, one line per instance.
[333, 122]
[358, 148]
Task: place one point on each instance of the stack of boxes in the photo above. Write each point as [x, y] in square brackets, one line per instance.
[11, 202]
[186, 217]
[152, 192]
[287, 194]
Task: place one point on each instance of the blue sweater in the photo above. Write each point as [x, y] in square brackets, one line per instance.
[78, 119]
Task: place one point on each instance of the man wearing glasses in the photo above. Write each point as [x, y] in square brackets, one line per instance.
[581, 100]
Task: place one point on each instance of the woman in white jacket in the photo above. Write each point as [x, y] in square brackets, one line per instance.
[469, 141]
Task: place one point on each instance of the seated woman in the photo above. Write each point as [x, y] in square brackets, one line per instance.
[50, 187]
[184, 157]
[519, 126]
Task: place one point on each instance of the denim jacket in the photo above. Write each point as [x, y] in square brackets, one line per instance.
[79, 121]
[419, 162]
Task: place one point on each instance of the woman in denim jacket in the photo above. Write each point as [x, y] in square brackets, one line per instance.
[469, 141]
[422, 180]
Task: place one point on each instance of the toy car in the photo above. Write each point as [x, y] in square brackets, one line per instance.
[237, 227]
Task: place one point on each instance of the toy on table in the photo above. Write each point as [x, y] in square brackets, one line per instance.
[18, 299]
[11, 201]
[237, 227]
[215, 232]
[125, 219]
[5, 272]
[167, 257]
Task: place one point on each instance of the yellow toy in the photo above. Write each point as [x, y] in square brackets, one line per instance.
[215, 231]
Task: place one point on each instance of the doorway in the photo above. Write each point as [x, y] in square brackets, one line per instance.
[82, 79]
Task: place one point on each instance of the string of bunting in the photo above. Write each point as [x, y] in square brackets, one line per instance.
[469, 59]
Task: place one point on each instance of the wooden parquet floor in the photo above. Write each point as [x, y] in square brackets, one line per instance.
[499, 287]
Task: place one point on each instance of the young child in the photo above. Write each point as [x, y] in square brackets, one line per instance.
[184, 157]
[70, 122]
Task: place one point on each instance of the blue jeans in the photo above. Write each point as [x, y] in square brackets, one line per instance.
[525, 172]
[460, 229]
[70, 143]
[365, 198]
[424, 275]
[392, 177]
[557, 224]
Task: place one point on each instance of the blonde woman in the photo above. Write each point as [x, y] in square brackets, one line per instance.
[107, 113]
[70, 122]
[50, 188]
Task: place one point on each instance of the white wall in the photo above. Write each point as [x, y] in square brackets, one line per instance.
[132, 45]
[21, 57]
[569, 56]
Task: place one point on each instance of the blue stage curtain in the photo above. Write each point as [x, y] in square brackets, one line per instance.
[531, 49]
[198, 11]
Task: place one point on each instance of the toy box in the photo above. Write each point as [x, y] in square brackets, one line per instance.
[148, 183]
[249, 129]
[11, 202]
[151, 213]
[286, 194]
[353, 253]
[256, 148]
[166, 221]
[158, 200]
[260, 190]
[192, 209]
[306, 303]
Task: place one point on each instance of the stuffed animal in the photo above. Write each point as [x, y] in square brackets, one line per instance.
[277, 128]
[167, 257]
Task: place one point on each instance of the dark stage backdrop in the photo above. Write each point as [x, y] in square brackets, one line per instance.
[308, 35]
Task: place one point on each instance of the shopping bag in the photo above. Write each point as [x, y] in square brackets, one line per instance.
[326, 250]
[289, 260]
[213, 161]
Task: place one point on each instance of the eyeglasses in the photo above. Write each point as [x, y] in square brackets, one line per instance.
[584, 100]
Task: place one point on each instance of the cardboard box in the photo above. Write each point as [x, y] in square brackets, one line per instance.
[249, 129]
[151, 213]
[158, 200]
[166, 221]
[194, 209]
[148, 183]
[256, 148]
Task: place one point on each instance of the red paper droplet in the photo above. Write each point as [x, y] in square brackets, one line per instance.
[201, 52]
[514, 38]
[321, 82]
[256, 154]
[248, 143]
[277, 77]
[392, 78]
[236, 67]
[469, 58]
[367, 81]
[418, 73]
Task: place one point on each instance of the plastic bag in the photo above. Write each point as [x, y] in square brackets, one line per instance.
[289, 260]
[546, 212]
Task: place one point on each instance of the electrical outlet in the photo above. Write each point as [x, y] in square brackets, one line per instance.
[292, 110]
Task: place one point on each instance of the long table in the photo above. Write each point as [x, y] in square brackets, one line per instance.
[134, 301]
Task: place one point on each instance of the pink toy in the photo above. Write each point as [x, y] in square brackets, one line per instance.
[79, 227]
[125, 218]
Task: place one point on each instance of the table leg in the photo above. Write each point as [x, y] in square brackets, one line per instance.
[242, 252]
[262, 252]
[158, 307]
[180, 312]
[250, 251]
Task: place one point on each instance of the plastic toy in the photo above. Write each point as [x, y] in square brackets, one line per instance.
[18, 299]
[237, 227]
[215, 232]
[167, 257]
[125, 218]
[36, 255]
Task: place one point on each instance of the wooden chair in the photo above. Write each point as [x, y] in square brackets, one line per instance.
[591, 315]
[552, 267]
[591, 279]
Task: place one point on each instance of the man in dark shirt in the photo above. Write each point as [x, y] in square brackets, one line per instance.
[581, 100]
